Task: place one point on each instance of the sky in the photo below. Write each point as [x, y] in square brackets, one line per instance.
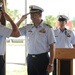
[51, 7]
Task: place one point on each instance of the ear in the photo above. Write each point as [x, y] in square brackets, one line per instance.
[65, 22]
[40, 14]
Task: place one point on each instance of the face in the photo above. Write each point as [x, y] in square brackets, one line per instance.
[35, 17]
[62, 24]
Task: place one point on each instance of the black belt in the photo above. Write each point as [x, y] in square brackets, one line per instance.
[38, 55]
[1, 55]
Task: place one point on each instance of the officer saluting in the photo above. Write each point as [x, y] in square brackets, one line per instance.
[40, 40]
[6, 32]
[65, 38]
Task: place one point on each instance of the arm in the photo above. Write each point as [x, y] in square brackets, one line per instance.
[52, 53]
[51, 42]
[22, 19]
[74, 46]
[52, 56]
[15, 31]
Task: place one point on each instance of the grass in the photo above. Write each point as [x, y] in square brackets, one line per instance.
[22, 70]
[17, 69]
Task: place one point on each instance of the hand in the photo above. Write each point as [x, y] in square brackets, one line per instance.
[50, 68]
[22, 19]
[24, 16]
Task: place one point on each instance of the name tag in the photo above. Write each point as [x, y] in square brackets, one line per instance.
[56, 36]
[30, 31]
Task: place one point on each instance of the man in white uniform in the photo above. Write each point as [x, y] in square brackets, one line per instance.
[65, 38]
[6, 32]
[40, 40]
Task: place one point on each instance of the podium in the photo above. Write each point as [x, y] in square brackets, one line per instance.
[64, 58]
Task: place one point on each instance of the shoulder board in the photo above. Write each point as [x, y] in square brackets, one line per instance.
[49, 25]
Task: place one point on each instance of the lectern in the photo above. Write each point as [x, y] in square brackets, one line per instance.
[64, 58]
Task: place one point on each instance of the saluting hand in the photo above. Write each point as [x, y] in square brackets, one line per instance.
[24, 17]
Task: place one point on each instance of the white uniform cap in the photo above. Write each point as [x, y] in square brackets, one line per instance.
[34, 8]
[62, 18]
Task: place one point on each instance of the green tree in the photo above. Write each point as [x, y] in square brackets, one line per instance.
[50, 20]
[73, 21]
[15, 15]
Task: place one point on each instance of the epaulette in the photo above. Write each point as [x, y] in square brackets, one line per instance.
[49, 25]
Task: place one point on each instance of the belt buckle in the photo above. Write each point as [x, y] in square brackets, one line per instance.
[33, 56]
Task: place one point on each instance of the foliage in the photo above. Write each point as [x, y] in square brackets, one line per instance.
[73, 21]
[15, 15]
[50, 20]
[22, 70]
